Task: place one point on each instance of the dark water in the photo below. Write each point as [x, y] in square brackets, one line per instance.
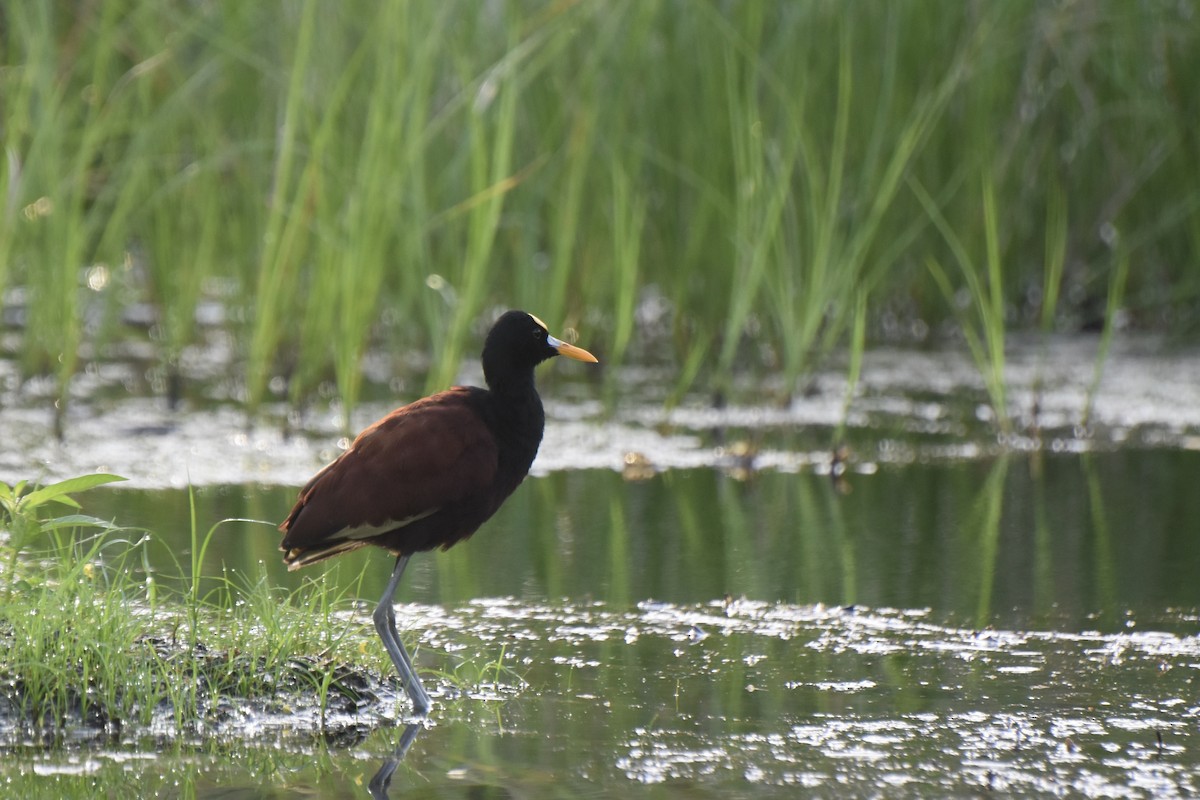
[1017, 626]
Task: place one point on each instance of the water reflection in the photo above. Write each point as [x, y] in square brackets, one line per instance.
[1016, 624]
[736, 699]
[382, 779]
[985, 520]
[751, 699]
[1076, 541]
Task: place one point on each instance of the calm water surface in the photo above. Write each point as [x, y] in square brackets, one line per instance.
[957, 618]
[1023, 625]
[1076, 542]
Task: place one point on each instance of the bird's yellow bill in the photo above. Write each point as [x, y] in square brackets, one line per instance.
[577, 353]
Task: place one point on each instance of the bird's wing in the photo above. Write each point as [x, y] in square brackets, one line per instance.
[408, 465]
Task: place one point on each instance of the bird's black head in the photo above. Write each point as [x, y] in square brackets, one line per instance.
[516, 344]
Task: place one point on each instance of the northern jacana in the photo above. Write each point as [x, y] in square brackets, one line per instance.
[430, 473]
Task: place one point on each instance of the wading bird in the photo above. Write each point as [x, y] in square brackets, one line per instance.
[430, 473]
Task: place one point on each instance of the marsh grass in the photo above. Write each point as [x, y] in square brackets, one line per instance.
[1116, 298]
[983, 309]
[1052, 278]
[89, 640]
[856, 349]
[361, 174]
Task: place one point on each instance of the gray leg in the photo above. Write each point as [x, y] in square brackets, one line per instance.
[385, 625]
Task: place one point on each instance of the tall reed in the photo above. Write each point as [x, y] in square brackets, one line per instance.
[1053, 269]
[983, 319]
[295, 184]
[342, 176]
[66, 106]
[1116, 295]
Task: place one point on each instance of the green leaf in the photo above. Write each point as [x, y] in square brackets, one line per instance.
[56, 491]
[78, 521]
[65, 500]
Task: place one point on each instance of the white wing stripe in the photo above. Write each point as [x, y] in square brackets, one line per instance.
[367, 531]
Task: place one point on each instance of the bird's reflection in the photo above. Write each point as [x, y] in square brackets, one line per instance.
[383, 776]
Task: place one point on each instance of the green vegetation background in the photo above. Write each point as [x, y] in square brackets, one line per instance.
[717, 185]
